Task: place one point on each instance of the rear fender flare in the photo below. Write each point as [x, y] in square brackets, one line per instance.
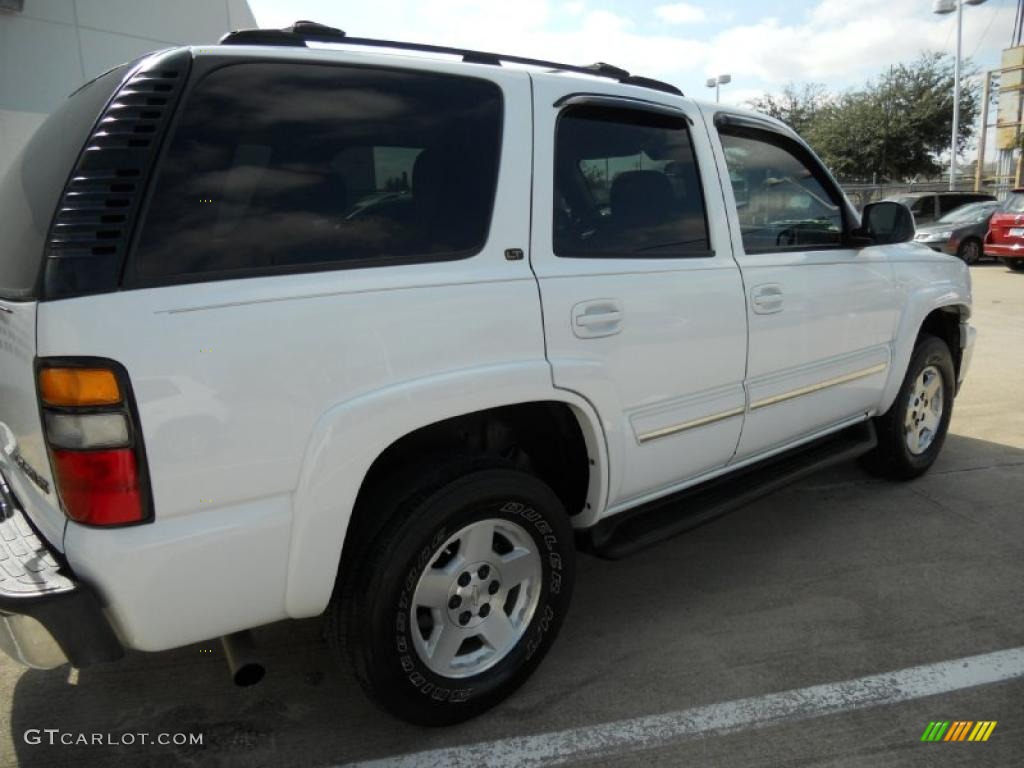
[349, 436]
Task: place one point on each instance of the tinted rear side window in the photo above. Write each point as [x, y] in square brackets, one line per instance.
[32, 186]
[294, 167]
[626, 185]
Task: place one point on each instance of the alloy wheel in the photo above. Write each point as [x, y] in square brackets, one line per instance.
[476, 598]
[924, 410]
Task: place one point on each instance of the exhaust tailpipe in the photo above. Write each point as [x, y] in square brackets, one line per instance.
[240, 651]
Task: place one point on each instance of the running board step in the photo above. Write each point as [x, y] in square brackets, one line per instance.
[629, 532]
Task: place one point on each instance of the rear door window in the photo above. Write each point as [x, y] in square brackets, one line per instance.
[294, 167]
[627, 185]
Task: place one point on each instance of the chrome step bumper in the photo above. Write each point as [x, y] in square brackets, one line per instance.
[46, 617]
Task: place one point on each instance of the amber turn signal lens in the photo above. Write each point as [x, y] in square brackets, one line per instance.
[78, 386]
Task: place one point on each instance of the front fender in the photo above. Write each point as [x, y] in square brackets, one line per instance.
[926, 287]
[348, 438]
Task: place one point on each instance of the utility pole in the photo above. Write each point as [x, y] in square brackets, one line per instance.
[956, 95]
[978, 169]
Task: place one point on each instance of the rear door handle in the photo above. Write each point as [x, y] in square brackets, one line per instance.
[766, 299]
[596, 318]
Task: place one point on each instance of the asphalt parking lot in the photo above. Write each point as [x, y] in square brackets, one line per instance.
[837, 578]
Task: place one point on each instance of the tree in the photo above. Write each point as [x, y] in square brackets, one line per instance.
[894, 128]
[797, 106]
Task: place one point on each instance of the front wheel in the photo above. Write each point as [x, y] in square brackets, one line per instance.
[911, 433]
[460, 596]
[1017, 265]
[969, 251]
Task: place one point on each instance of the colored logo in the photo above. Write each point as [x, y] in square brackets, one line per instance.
[959, 730]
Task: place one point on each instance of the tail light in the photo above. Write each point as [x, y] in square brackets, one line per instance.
[96, 450]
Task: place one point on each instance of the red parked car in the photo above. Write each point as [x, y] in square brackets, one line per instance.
[1005, 238]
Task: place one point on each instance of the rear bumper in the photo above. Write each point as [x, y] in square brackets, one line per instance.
[1005, 250]
[47, 618]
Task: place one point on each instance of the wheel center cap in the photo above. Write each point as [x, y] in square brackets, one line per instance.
[471, 594]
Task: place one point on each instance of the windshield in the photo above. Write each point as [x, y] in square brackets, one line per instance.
[969, 212]
[1014, 203]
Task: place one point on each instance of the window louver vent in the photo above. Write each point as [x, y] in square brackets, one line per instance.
[93, 224]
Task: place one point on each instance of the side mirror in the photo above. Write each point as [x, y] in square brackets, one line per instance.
[885, 223]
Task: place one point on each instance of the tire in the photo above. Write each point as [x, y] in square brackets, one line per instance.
[1016, 264]
[396, 599]
[904, 453]
[969, 251]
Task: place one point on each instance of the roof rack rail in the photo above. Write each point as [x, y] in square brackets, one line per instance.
[302, 32]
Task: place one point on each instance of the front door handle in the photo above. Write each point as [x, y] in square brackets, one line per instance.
[596, 318]
[766, 299]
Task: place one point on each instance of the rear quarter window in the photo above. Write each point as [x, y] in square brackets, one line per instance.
[299, 167]
[32, 186]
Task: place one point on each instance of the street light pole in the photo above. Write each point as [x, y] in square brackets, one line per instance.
[944, 7]
[956, 95]
[717, 83]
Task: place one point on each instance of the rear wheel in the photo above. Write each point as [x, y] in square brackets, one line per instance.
[970, 251]
[460, 595]
[1017, 265]
[911, 433]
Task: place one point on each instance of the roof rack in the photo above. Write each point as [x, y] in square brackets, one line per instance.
[303, 32]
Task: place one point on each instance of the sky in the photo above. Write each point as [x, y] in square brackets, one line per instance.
[763, 45]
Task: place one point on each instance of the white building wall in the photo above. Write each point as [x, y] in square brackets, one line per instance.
[51, 47]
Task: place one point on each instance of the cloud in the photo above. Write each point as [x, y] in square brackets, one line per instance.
[829, 41]
[839, 47]
[732, 95]
[680, 13]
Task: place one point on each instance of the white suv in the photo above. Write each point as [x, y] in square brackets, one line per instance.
[387, 332]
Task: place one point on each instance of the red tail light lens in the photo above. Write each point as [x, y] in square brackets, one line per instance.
[96, 451]
[99, 487]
